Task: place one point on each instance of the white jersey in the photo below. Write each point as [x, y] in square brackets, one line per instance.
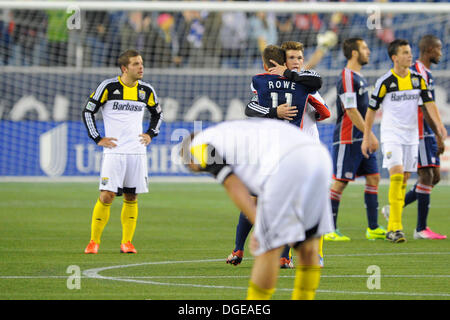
[400, 98]
[123, 112]
[251, 149]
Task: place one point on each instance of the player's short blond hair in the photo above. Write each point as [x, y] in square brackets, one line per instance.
[292, 45]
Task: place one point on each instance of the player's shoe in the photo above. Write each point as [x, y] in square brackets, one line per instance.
[235, 257]
[321, 261]
[428, 234]
[385, 211]
[378, 233]
[127, 248]
[336, 235]
[286, 263]
[92, 247]
[395, 236]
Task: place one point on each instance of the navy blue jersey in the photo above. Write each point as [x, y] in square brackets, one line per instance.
[272, 90]
[352, 92]
[424, 128]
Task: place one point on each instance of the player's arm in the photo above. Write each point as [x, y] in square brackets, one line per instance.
[432, 110]
[370, 141]
[317, 102]
[439, 138]
[325, 41]
[241, 197]
[156, 116]
[88, 114]
[309, 78]
[435, 120]
[255, 110]
[283, 111]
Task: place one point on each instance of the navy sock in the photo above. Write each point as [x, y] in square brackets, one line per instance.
[423, 205]
[371, 202]
[285, 253]
[242, 230]
[411, 195]
[335, 201]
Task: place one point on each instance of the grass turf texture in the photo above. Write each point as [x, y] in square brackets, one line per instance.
[184, 233]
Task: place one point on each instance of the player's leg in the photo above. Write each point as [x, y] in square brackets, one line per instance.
[135, 182]
[100, 217]
[423, 190]
[393, 161]
[307, 275]
[110, 181]
[242, 230]
[264, 275]
[374, 230]
[128, 218]
[337, 188]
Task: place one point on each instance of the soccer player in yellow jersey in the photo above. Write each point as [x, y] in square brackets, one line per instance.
[122, 101]
[400, 91]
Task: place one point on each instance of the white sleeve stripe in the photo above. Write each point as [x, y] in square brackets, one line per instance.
[91, 127]
[258, 108]
[101, 88]
[348, 83]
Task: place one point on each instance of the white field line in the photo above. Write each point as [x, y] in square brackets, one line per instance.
[95, 274]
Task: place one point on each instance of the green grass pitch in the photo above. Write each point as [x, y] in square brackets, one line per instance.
[184, 233]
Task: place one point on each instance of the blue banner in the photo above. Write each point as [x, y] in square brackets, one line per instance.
[57, 149]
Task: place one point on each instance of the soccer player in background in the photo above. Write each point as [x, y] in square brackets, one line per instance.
[430, 145]
[399, 92]
[290, 173]
[266, 104]
[348, 160]
[123, 100]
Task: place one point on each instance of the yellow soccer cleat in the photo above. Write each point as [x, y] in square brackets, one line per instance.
[335, 236]
[378, 233]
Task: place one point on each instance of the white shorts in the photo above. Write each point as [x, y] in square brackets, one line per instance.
[295, 203]
[405, 155]
[124, 173]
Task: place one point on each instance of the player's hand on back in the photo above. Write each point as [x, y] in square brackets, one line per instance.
[278, 69]
[108, 142]
[286, 112]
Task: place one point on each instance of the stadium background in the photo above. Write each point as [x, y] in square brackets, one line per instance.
[199, 62]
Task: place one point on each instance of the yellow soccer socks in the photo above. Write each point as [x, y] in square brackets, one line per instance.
[396, 199]
[128, 218]
[254, 292]
[100, 217]
[306, 282]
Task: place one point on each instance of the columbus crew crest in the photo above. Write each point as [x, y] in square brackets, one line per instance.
[141, 95]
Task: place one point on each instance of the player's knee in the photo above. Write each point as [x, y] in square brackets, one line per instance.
[308, 252]
[426, 176]
[373, 180]
[107, 196]
[436, 177]
[130, 196]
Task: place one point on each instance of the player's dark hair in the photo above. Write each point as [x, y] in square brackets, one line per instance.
[349, 45]
[124, 58]
[272, 52]
[428, 41]
[394, 45]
